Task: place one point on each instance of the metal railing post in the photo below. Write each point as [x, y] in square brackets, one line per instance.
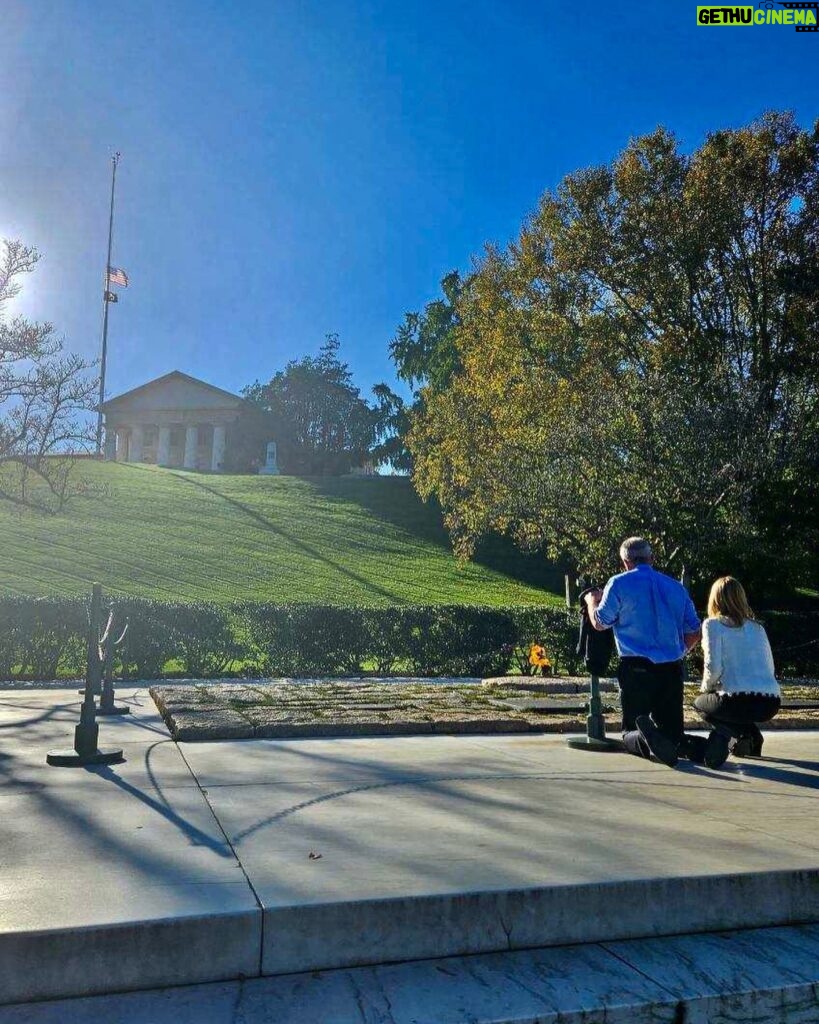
[595, 738]
[86, 734]
[108, 644]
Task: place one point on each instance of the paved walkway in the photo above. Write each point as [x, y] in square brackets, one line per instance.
[203, 862]
[98, 864]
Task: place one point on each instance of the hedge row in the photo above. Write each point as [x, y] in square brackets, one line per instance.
[45, 639]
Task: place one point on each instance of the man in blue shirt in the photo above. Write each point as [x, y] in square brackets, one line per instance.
[655, 625]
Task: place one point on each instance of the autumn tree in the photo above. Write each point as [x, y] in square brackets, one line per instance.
[643, 358]
[319, 417]
[426, 358]
[44, 396]
[423, 349]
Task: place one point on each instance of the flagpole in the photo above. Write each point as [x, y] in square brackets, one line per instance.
[105, 301]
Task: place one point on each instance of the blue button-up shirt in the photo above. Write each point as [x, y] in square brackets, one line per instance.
[649, 612]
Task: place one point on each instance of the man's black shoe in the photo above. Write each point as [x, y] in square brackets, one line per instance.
[717, 749]
[659, 744]
[693, 748]
[747, 746]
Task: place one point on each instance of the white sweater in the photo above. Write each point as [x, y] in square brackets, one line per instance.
[738, 659]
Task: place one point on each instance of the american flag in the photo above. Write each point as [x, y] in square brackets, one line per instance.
[117, 276]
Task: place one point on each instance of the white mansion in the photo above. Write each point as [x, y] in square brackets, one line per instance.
[175, 420]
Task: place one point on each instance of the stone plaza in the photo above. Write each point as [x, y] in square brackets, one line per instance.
[427, 879]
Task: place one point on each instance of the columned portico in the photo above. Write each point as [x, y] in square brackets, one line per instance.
[136, 443]
[121, 436]
[175, 421]
[163, 450]
[218, 448]
[191, 446]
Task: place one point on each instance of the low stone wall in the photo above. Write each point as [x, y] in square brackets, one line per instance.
[285, 708]
[550, 684]
[372, 707]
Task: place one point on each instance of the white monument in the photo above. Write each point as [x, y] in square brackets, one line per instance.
[271, 466]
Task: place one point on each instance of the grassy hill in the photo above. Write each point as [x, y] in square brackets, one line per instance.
[176, 535]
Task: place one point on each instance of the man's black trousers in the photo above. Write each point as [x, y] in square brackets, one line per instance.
[652, 689]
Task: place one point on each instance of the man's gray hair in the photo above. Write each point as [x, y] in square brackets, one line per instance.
[635, 549]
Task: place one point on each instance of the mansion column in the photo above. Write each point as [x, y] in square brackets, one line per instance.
[122, 445]
[110, 444]
[218, 451]
[136, 444]
[163, 450]
[191, 444]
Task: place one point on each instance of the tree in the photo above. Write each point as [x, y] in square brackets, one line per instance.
[318, 417]
[424, 349]
[391, 423]
[643, 358]
[247, 439]
[43, 397]
[426, 357]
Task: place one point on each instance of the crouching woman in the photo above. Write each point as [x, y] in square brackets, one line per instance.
[739, 688]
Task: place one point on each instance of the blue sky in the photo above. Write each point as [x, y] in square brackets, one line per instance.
[292, 168]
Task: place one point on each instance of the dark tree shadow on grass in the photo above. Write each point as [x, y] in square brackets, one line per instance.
[296, 542]
[395, 501]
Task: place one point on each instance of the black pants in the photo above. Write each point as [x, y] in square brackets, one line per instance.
[650, 689]
[738, 713]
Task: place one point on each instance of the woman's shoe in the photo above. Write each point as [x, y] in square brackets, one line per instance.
[717, 749]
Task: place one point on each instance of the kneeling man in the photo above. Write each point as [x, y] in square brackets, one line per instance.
[655, 624]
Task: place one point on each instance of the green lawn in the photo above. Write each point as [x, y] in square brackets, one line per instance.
[176, 535]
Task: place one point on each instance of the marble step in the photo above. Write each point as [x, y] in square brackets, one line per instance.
[758, 976]
[314, 936]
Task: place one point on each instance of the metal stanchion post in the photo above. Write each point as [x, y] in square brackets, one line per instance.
[108, 644]
[595, 738]
[86, 734]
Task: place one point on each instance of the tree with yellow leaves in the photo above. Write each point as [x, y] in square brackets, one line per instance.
[643, 358]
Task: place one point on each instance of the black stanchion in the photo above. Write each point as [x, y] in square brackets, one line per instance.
[107, 706]
[86, 735]
[595, 738]
[596, 648]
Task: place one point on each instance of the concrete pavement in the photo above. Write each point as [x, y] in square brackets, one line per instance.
[192, 862]
[109, 873]
[438, 846]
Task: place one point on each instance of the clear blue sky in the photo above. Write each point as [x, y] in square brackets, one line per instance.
[294, 167]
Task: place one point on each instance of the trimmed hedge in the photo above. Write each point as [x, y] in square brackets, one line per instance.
[45, 639]
[433, 640]
[41, 638]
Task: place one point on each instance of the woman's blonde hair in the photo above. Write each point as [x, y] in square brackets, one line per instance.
[729, 600]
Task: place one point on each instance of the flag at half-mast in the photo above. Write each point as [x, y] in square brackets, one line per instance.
[117, 276]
